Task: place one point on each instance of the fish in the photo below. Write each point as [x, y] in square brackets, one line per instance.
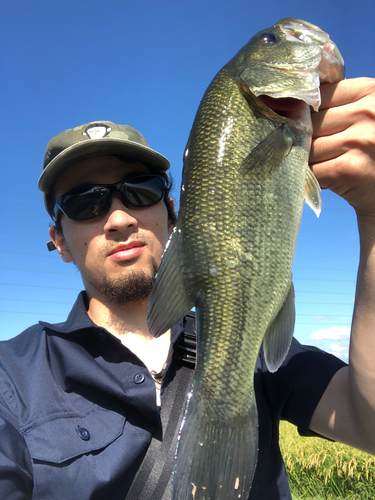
[230, 255]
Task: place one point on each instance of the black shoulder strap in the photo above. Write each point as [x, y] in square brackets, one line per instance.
[153, 480]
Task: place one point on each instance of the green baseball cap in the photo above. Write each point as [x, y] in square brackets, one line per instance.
[94, 139]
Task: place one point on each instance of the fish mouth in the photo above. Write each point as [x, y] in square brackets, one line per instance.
[293, 109]
[313, 59]
[288, 109]
[283, 106]
[331, 66]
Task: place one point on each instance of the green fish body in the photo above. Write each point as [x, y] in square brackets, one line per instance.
[245, 178]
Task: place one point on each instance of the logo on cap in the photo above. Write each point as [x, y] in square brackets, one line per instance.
[97, 130]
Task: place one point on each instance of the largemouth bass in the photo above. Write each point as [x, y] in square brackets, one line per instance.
[245, 178]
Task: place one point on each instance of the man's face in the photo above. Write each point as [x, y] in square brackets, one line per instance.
[117, 250]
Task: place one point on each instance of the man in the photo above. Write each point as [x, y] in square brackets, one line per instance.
[79, 400]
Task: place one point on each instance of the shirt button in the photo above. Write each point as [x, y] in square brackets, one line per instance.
[103, 338]
[83, 433]
[138, 378]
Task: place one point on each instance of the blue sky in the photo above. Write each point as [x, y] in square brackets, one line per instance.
[148, 64]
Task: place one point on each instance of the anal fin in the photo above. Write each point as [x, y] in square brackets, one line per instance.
[279, 334]
[312, 192]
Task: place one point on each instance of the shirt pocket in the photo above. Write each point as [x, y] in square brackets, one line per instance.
[63, 437]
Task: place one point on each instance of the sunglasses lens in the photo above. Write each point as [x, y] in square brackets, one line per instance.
[87, 204]
[143, 191]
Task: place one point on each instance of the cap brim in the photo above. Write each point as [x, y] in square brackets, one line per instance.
[97, 147]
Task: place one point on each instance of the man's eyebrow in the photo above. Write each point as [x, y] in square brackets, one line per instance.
[82, 185]
[129, 175]
[137, 172]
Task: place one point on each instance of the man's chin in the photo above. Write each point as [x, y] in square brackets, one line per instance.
[135, 286]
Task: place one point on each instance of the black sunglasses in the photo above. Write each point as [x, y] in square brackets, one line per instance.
[92, 200]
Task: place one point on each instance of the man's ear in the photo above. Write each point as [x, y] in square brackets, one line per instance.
[60, 243]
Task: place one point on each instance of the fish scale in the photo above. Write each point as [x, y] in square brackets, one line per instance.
[231, 253]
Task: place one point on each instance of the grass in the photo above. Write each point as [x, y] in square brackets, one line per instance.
[322, 470]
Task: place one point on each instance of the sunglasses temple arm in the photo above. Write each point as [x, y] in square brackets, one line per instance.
[50, 246]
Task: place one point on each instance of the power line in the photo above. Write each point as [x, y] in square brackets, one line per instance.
[298, 303]
[21, 237]
[37, 301]
[22, 200]
[323, 323]
[323, 293]
[36, 271]
[333, 316]
[327, 303]
[38, 286]
[64, 288]
[297, 323]
[326, 269]
[38, 313]
[47, 254]
[330, 269]
[323, 279]
[73, 274]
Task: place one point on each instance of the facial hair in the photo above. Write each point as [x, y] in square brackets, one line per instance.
[135, 286]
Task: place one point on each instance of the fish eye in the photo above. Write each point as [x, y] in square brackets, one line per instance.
[268, 37]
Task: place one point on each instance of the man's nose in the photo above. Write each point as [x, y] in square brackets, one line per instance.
[119, 216]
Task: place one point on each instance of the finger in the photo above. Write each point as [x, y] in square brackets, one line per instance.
[359, 137]
[340, 118]
[332, 121]
[352, 176]
[341, 174]
[345, 92]
[328, 173]
[328, 147]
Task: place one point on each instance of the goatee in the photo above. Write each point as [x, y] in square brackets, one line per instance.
[136, 286]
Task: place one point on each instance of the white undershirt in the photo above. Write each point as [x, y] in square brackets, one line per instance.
[153, 353]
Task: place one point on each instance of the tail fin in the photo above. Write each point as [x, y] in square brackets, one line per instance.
[216, 458]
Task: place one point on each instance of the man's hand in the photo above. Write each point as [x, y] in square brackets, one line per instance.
[343, 148]
[343, 160]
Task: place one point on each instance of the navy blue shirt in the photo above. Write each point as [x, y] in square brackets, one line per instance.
[78, 411]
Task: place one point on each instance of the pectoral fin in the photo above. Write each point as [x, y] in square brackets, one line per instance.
[270, 152]
[279, 335]
[312, 192]
[169, 300]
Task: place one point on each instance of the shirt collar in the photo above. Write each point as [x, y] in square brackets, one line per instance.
[78, 319]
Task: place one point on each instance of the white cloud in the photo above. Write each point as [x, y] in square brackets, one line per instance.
[340, 335]
[338, 347]
[334, 333]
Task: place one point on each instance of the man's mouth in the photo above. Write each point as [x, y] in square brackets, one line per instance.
[126, 251]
